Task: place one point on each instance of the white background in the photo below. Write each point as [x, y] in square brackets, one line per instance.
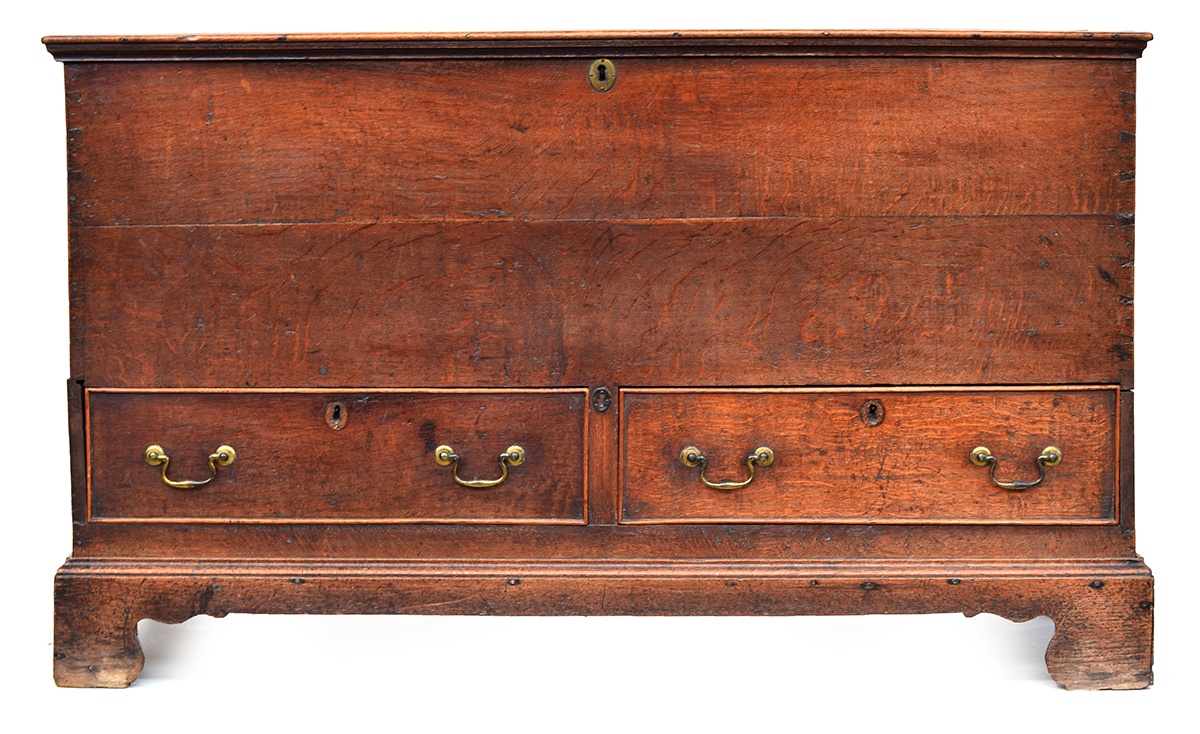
[540, 674]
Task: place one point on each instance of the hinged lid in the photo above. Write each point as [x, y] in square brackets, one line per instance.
[1073, 44]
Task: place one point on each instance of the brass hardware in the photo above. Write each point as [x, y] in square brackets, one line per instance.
[512, 456]
[223, 456]
[602, 75]
[691, 457]
[601, 399]
[1051, 456]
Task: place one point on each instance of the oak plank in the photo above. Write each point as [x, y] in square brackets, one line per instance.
[250, 142]
[1016, 300]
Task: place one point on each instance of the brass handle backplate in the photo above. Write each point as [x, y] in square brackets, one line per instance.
[691, 457]
[1050, 456]
[512, 456]
[223, 456]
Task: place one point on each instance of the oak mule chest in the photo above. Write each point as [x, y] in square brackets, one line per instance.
[759, 323]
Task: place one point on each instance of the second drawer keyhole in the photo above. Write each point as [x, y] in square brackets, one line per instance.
[871, 412]
[336, 415]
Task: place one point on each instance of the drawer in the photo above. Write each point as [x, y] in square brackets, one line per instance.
[338, 457]
[875, 456]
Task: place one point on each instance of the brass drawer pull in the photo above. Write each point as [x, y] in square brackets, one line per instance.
[512, 456]
[1051, 456]
[691, 457]
[223, 456]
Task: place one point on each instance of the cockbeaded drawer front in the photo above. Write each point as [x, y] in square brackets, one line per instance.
[492, 456]
[878, 456]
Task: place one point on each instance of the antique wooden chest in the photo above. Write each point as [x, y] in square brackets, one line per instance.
[644, 323]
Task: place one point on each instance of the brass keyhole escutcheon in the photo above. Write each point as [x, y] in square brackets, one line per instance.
[601, 399]
[602, 75]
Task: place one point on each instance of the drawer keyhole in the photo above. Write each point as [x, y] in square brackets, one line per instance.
[336, 415]
[871, 412]
[601, 399]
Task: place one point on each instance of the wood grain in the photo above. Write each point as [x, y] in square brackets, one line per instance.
[1102, 611]
[247, 142]
[291, 466]
[832, 466]
[508, 45]
[1125, 462]
[1015, 300]
[457, 240]
[383, 542]
[77, 436]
